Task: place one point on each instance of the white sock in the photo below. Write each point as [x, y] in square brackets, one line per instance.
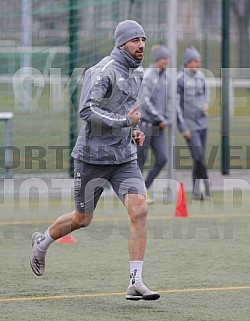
[135, 271]
[44, 242]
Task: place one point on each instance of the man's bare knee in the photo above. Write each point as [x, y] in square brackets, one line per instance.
[142, 210]
[138, 210]
[82, 220]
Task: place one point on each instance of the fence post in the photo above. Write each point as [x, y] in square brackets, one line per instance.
[172, 37]
[225, 144]
[73, 39]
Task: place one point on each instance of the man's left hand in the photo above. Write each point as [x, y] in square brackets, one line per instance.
[139, 137]
[163, 124]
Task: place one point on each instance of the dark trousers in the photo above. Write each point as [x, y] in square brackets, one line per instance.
[154, 138]
[197, 147]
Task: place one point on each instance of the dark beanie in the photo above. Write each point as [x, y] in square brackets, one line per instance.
[190, 54]
[159, 53]
[127, 30]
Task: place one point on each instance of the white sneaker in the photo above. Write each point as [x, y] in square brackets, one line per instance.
[139, 291]
[37, 261]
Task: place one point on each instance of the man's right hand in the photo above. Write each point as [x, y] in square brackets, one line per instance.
[187, 134]
[134, 115]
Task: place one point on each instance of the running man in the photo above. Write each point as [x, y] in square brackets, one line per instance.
[106, 152]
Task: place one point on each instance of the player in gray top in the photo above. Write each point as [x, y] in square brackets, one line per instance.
[106, 152]
[156, 106]
[192, 120]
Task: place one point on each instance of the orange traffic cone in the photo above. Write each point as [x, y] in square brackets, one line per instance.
[67, 239]
[181, 206]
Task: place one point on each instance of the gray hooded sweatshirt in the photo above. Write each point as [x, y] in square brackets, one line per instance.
[192, 95]
[155, 97]
[109, 91]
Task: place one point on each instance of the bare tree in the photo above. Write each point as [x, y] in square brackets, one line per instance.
[241, 9]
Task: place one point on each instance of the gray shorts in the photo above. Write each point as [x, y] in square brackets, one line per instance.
[90, 180]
